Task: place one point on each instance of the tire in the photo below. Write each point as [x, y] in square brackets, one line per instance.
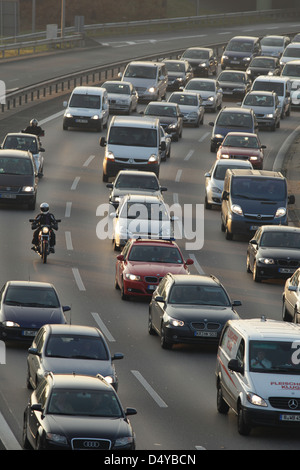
[222, 406]
[44, 252]
[285, 315]
[213, 148]
[207, 205]
[248, 264]
[32, 204]
[151, 330]
[123, 295]
[228, 235]
[243, 428]
[104, 178]
[164, 344]
[28, 383]
[25, 442]
[256, 277]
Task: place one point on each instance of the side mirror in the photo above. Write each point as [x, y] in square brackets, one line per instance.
[189, 261]
[207, 175]
[236, 303]
[110, 185]
[33, 351]
[37, 407]
[120, 75]
[234, 365]
[130, 411]
[225, 195]
[120, 257]
[263, 147]
[211, 124]
[42, 149]
[117, 356]
[253, 242]
[66, 308]
[291, 199]
[102, 142]
[163, 188]
[159, 298]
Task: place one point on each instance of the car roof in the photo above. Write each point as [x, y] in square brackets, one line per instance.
[236, 110]
[266, 329]
[232, 162]
[73, 330]
[153, 242]
[253, 38]
[246, 134]
[260, 173]
[199, 79]
[15, 153]
[145, 62]
[86, 90]
[162, 103]
[137, 173]
[75, 381]
[135, 121]
[199, 48]
[30, 284]
[21, 134]
[143, 198]
[200, 279]
[280, 228]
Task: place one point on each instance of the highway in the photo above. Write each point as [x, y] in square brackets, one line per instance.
[173, 391]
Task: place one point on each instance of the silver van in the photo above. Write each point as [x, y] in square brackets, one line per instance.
[150, 79]
[87, 108]
[281, 86]
[132, 142]
[258, 373]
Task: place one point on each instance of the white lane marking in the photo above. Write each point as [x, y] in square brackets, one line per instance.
[7, 437]
[103, 328]
[68, 209]
[200, 448]
[78, 279]
[149, 389]
[68, 241]
[75, 183]
[189, 155]
[175, 198]
[50, 118]
[178, 176]
[204, 137]
[89, 160]
[196, 264]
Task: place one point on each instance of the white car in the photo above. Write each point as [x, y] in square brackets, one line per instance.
[209, 90]
[141, 216]
[190, 105]
[167, 138]
[122, 96]
[22, 141]
[295, 93]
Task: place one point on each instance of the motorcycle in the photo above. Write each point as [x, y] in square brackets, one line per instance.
[43, 249]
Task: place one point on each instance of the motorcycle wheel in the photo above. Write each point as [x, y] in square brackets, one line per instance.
[44, 251]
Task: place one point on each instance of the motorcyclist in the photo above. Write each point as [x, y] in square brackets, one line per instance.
[44, 218]
[34, 128]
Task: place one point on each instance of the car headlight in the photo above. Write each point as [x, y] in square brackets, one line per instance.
[256, 399]
[270, 115]
[110, 156]
[225, 155]
[57, 438]
[153, 158]
[27, 189]
[236, 209]
[10, 324]
[152, 89]
[174, 321]
[253, 157]
[247, 59]
[109, 379]
[95, 116]
[281, 212]
[210, 98]
[68, 115]
[266, 260]
[224, 57]
[132, 277]
[270, 72]
[215, 189]
[123, 441]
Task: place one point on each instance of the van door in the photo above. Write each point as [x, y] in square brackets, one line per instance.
[162, 81]
[105, 109]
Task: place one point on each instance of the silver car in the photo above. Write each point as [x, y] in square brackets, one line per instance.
[214, 180]
[68, 349]
[291, 298]
[209, 90]
[122, 96]
[274, 45]
[266, 107]
[167, 138]
[190, 105]
[22, 141]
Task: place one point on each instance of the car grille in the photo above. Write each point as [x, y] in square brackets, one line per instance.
[293, 263]
[260, 216]
[285, 403]
[90, 444]
[10, 189]
[205, 326]
[240, 157]
[152, 279]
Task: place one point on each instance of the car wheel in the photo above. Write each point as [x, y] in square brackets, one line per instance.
[104, 178]
[243, 428]
[213, 148]
[248, 263]
[296, 314]
[169, 153]
[117, 287]
[123, 295]
[256, 277]
[164, 344]
[222, 225]
[151, 330]
[28, 383]
[25, 442]
[285, 314]
[222, 406]
[207, 205]
[228, 235]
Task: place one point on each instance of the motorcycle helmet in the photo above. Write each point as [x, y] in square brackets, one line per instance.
[44, 208]
[34, 122]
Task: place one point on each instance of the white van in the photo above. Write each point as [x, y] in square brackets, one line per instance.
[278, 84]
[133, 142]
[150, 79]
[258, 373]
[87, 108]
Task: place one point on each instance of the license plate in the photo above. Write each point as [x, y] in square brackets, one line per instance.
[294, 418]
[8, 196]
[81, 121]
[28, 333]
[234, 62]
[254, 227]
[286, 270]
[151, 287]
[206, 334]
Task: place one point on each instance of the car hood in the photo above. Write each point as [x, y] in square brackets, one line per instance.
[141, 82]
[204, 93]
[118, 97]
[155, 269]
[201, 312]
[135, 152]
[87, 426]
[166, 120]
[226, 84]
[185, 108]
[195, 62]
[261, 70]
[260, 109]
[252, 206]
[64, 365]
[176, 75]
[275, 385]
[270, 252]
[123, 192]
[223, 130]
[84, 112]
[240, 151]
[237, 54]
[271, 50]
[30, 317]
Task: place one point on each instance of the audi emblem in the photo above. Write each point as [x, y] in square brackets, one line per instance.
[293, 404]
[91, 444]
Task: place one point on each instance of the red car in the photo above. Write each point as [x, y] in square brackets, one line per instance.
[144, 262]
[242, 146]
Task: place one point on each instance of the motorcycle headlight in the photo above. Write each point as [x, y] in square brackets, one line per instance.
[45, 230]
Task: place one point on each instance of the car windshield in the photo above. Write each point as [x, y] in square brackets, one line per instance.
[232, 77]
[201, 85]
[184, 99]
[280, 239]
[132, 136]
[85, 101]
[220, 170]
[96, 403]
[175, 66]
[144, 211]
[238, 119]
[198, 295]
[31, 297]
[155, 254]
[291, 70]
[239, 46]
[125, 181]
[15, 166]
[292, 52]
[273, 42]
[275, 357]
[263, 62]
[240, 141]
[70, 346]
[140, 71]
[269, 86]
[156, 110]
[259, 100]
[118, 88]
[196, 54]
[263, 189]
[21, 143]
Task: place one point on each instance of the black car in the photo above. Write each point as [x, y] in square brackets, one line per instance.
[25, 306]
[170, 117]
[180, 73]
[232, 119]
[75, 412]
[239, 52]
[234, 83]
[274, 252]
[263, 65]
[189, 309]
[202, 61]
